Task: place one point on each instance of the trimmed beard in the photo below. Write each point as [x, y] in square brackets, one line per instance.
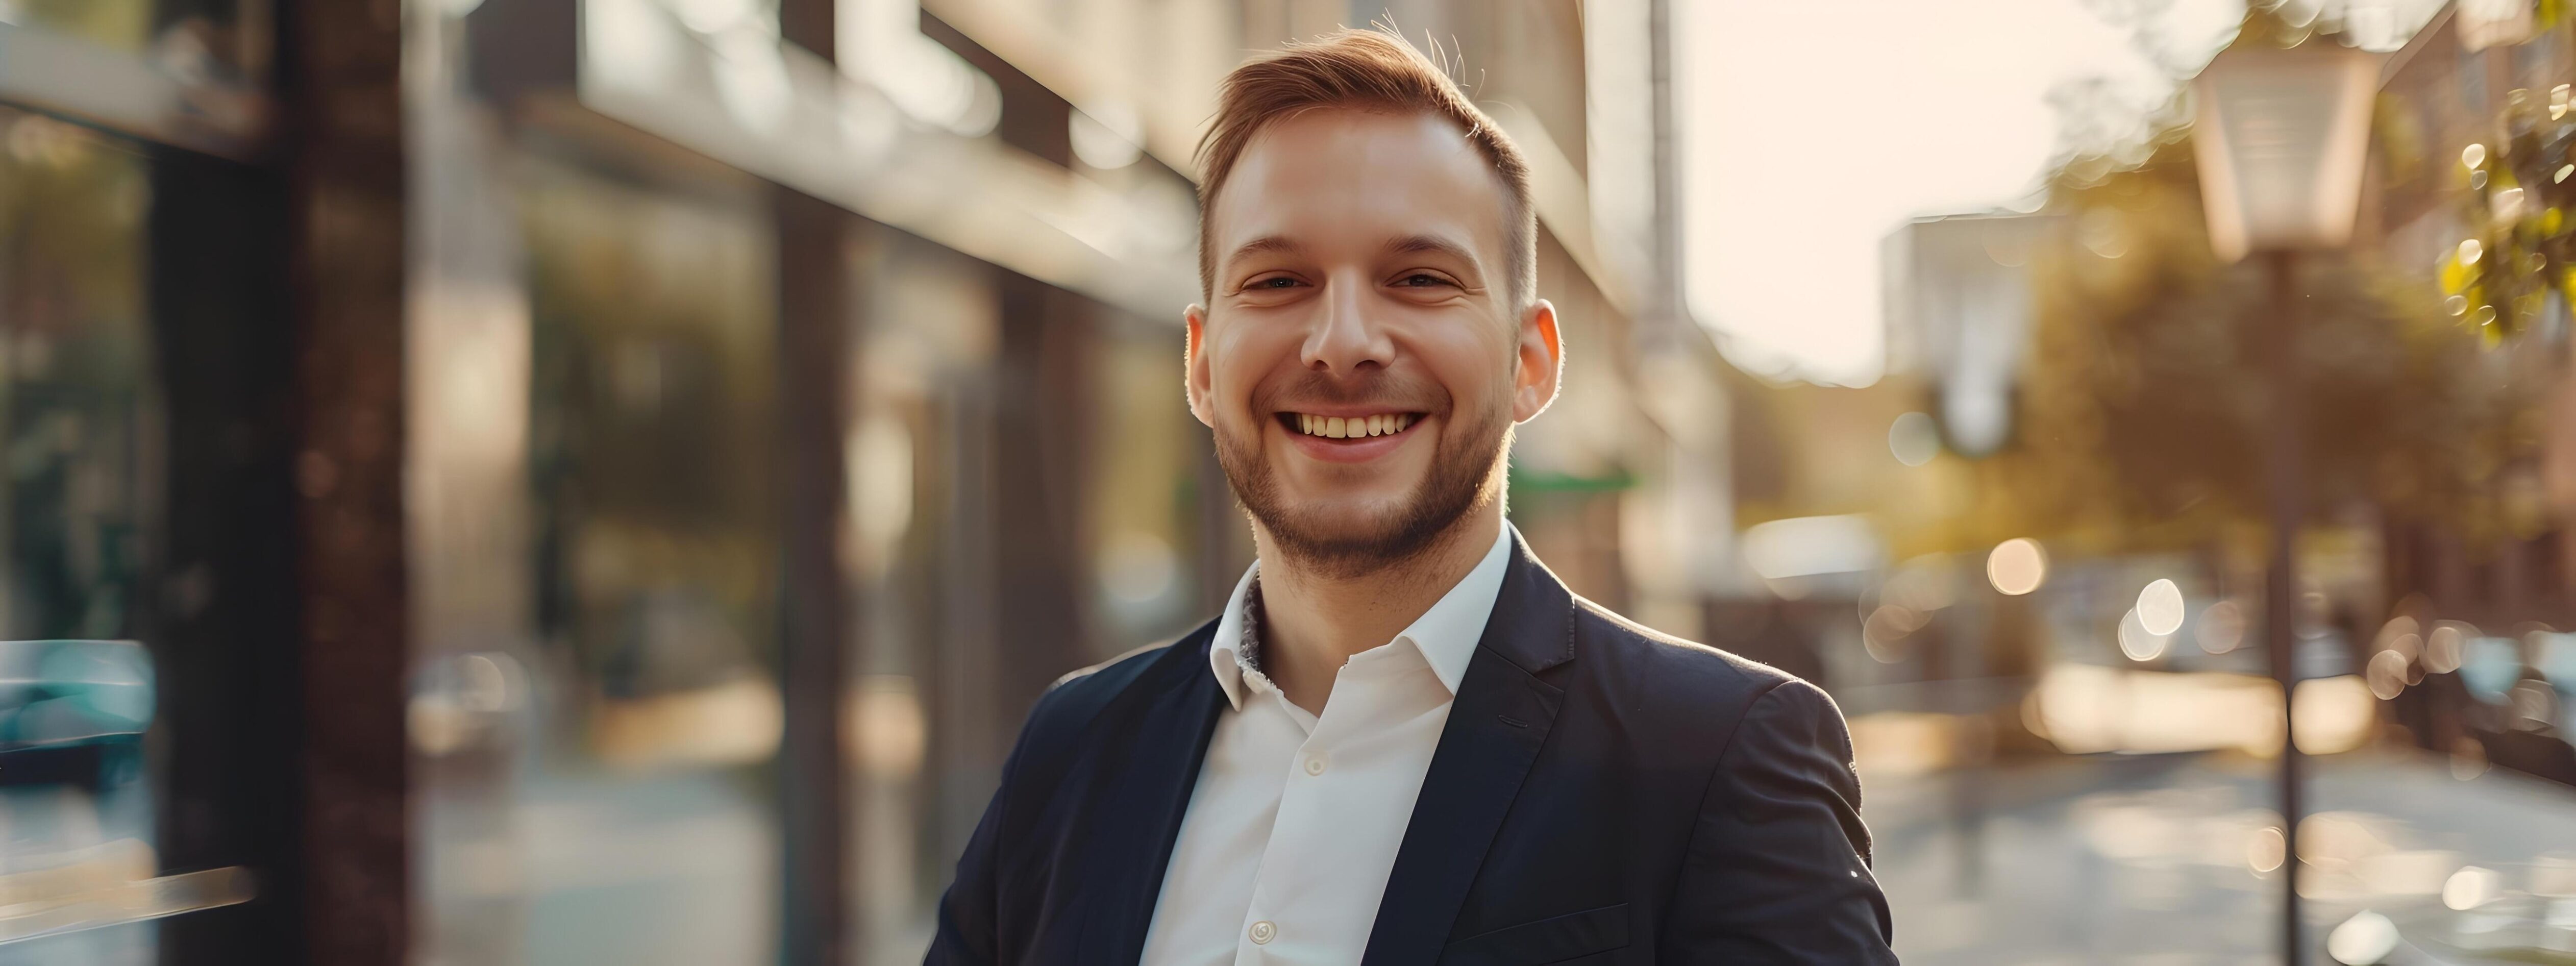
[1466, 469]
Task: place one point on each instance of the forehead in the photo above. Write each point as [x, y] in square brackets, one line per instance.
[1336, 176]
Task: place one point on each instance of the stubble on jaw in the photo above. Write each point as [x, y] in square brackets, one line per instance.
[1465, 475]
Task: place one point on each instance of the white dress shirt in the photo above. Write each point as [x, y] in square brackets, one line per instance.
[1293, 826]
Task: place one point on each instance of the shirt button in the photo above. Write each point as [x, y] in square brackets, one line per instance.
[1314, 764]
[1262, 932]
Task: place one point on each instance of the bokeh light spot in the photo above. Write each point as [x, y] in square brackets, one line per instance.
[2387, 674]
[2471, 887]
[2263, 852]
[2367, 937]
[2017, 566]
[1914, 439]
[2137, 642]
[2160, 607]
[2222, 627]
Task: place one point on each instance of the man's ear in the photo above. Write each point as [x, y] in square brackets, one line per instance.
[1196, 381]
[1539, 362]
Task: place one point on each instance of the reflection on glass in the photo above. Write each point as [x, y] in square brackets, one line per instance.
[196, 41]
[650, 825]
[915, 451]
[73, 356]
[80, 867]
[116, 23]
[73, 359]
[1146, 494]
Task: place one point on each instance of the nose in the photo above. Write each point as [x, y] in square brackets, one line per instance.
[1345, 338]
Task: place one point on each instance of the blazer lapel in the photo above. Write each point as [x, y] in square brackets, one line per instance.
[1497, 723]
[1140, 805]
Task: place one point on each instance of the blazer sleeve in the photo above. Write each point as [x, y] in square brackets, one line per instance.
[1778, 868]
[969, 929]
[968, 932]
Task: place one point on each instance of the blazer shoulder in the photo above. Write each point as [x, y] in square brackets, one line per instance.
[1075, 699]
[1664, 674]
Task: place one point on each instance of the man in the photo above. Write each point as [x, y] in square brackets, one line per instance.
[1403, 742]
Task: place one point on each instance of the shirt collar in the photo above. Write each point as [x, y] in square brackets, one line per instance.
[1225, 651]
[1446, 634]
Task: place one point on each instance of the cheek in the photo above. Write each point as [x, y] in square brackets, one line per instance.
[1242, 357]
[1474, 370]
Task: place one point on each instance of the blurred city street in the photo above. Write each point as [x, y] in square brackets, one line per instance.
[2151, 859]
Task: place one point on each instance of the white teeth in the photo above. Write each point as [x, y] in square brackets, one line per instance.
[1352, 427]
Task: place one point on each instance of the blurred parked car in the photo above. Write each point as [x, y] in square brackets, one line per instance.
[73, 712]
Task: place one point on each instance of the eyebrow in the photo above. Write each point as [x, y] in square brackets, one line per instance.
[1400, 245]
[1266, 244]
[1432, 244]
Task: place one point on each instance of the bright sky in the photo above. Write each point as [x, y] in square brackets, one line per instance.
[1810, 136]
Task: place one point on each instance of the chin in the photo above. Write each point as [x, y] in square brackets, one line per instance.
[1357, 503]
[1346, 520]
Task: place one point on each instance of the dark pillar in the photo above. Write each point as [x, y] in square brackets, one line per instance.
[340, 75]
[1043, 447]
[813, 310]
[224, 637]
[2282, 460]
[814, 303]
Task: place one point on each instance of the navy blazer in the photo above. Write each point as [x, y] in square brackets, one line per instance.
[1601, 794]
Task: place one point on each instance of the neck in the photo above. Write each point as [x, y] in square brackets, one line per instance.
[1313, 620]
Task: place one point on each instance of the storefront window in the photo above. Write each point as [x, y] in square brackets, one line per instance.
[125, 24]
[651, 822]
[73, 360]
[76, 429]
[918, 471]
[194, 40]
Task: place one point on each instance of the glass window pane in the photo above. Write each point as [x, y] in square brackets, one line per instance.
[73, 362]
[75, 429]
[124, 24]
[651, 820]
[926, 329]
[195, 33]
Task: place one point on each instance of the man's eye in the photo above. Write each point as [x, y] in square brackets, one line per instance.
[1278, 282]
[1422, 280]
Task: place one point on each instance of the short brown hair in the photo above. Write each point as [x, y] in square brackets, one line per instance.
[1368, 70]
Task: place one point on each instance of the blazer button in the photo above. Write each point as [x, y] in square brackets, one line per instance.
[1314, 764]
[1262, 932]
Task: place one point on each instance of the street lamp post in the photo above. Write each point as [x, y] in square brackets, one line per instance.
[2280, 136]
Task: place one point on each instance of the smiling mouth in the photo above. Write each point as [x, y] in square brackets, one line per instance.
[1347, 427]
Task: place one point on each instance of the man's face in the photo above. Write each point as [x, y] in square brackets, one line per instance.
[1360, 357]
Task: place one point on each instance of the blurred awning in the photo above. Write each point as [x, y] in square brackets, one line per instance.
[774, 110]
[170, 94]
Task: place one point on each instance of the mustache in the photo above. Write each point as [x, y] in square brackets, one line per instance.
[1409, 393]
